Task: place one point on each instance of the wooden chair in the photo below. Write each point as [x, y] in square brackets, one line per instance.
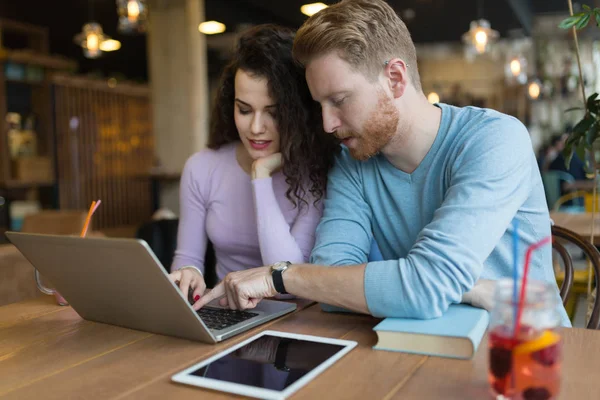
[570, 276]
[16, 273]
[55, 222]
[16, 276]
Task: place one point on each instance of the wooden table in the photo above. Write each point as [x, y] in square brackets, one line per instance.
[580, 223]
[49, 352]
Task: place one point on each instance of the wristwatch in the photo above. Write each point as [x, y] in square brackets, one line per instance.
[277, 271]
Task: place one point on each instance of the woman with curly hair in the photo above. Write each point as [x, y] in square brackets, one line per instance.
[255, 191]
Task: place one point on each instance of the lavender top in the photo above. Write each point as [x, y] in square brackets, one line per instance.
[251, 223]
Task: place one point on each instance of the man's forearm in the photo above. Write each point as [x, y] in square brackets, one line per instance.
[337, 286]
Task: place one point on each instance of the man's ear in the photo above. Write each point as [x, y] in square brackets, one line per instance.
[396, 73]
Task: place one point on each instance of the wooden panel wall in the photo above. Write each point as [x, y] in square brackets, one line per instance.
[105, 149]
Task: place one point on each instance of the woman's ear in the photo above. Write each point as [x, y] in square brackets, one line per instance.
[396, 72]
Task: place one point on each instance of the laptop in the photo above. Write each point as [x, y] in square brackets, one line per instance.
[121, 282]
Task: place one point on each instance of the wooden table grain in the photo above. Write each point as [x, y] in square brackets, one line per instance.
[580, 223]
[48, 351]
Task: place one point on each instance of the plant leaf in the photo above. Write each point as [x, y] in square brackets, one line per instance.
[592, 104]
[592, 134]
[570, 21]
[573, 137]
[568, 155]
[573, 109]
[586, 7]
[597, 13]
[581, 149]
[582, 23]
[582, 126]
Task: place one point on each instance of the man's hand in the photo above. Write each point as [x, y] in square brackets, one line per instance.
[241, 290]
[265, 166]
[482, 294]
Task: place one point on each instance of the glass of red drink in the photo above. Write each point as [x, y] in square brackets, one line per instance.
[525, 365]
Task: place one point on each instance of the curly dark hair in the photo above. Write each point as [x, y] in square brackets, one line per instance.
[307, 151]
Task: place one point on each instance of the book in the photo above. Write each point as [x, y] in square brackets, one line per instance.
[456, 334]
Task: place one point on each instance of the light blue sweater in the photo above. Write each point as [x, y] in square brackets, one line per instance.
[445, 225]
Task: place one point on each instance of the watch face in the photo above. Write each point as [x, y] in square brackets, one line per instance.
[280, 265]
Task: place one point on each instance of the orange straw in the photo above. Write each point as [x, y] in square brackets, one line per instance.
[530, 250]
[88, 219]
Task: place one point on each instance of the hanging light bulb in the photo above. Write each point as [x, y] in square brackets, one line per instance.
[90, 39]
[480, 36]
[433, 97]
[516, 70]
[534, 89]
[110, 45]
[133, 10]
[133, 16]
[211, 27]
[515, 67]
[312, 8]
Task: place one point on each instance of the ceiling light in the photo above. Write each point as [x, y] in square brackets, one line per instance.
[433, 97]
[515, 67]
[133, 16]
[312, 8]
[516, 70]
[534, 90]
[480, 36]
[110, 45]
[211, 27]
[90, 38]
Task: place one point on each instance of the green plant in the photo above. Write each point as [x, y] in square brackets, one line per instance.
[580, 20]
[587, 130]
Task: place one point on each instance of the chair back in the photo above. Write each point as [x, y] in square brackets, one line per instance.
[552, 181]
[592, 254]
[55, 222]
[161, 236]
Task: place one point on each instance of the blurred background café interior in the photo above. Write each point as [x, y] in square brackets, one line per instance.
[106, 99]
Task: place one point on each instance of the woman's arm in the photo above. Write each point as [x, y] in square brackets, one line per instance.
[278, 240]
[191, 235]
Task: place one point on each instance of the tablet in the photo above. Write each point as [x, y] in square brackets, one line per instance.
[269, 365]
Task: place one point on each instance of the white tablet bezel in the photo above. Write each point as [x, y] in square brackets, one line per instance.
[244, 390]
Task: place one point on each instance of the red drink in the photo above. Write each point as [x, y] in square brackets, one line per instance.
[528, 366]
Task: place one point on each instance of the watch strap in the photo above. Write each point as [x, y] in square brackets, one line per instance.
[278, 281]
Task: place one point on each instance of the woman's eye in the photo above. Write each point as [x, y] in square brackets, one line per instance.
[244, 112]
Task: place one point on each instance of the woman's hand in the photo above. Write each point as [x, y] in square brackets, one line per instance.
[191, 282]
[265, 166]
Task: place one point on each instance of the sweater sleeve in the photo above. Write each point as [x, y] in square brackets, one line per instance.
[344, 235]
[191, 235]
[489, 181]
[278, 240]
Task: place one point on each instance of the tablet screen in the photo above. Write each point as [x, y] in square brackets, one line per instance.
[269, 362]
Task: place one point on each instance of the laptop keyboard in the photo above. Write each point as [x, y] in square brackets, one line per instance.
[221, 318]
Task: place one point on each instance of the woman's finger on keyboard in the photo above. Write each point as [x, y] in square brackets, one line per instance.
[199, 288]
